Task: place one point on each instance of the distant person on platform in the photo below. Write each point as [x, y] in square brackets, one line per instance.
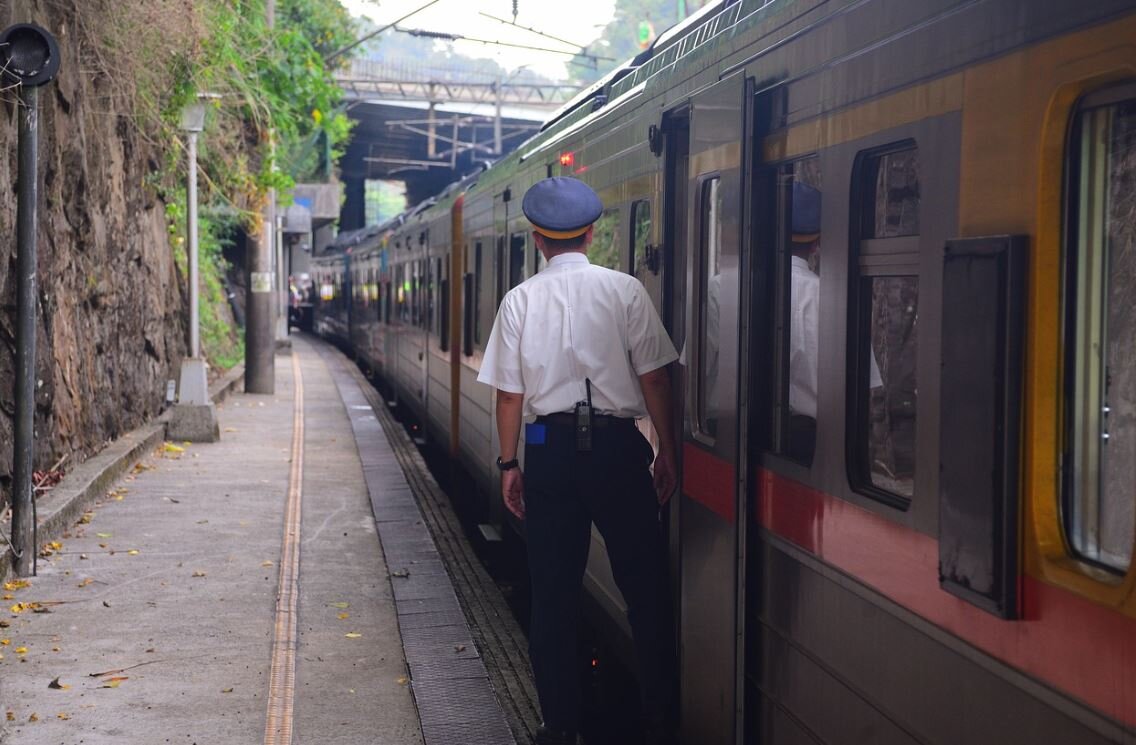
[579, 353]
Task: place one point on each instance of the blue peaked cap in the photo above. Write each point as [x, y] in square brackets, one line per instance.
[561, 207]
[806, 212]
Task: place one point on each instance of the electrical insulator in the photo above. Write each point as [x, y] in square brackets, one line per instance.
[515, 3]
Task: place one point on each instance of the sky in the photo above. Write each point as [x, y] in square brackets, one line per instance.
[578, 21]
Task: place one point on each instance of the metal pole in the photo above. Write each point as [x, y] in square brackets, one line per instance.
[260, 339]
[23, 520]
[497, 120]
[194, 300]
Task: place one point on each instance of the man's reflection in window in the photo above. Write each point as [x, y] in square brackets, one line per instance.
[804, 320]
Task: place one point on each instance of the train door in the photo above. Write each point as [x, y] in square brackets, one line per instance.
[710, 495]
[672, 285]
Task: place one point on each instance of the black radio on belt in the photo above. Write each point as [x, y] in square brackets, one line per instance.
[584, 421]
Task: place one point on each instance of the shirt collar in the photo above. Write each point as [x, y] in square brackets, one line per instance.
[802, 262]
[572, 257]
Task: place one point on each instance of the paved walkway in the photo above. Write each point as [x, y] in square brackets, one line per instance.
[155, 619]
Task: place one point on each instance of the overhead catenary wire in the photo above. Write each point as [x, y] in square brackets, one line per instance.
[514, 24]
[446, 36]
[373, 34]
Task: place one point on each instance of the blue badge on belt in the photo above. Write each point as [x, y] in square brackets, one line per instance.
[535, 434]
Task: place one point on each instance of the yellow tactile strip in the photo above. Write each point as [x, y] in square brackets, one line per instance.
[282, 678]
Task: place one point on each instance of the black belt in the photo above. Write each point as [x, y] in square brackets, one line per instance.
[565, 419]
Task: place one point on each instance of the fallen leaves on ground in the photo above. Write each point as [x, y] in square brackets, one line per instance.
[198, 573]
[103, 535]
[63, 715]
[86, 582]
[459, 648]
[343, 616]
[21, 607]
[34, 717]
[86, 518]
[115, 682]
[341, 605]
[57, 685]
[5, 642]
[21, 650]
[50, 549]
[402, 680]
[133, 552]
[226, 690]
[140, 467]
[18, 584]
[266, 563]
[169, 447]
[11, 716]
[353, 635]
[401, 573]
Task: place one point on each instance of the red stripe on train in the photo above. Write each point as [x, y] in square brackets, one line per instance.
[709, 481]
[1086, 650]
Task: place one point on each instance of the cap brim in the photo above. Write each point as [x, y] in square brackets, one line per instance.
[805, 237]
[560, 235]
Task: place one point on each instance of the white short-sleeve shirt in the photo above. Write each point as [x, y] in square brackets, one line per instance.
[571, 322]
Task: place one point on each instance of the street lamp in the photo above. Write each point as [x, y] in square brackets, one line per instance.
[29, 58]
[194, 418]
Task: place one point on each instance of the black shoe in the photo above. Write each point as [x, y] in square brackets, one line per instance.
[546, 736]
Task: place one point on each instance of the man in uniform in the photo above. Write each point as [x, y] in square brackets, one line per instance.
[579, 353]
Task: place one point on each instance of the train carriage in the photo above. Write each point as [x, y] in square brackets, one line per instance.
[935, 544]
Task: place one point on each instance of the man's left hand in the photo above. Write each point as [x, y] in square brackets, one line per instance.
[665, 480]
[513, 491]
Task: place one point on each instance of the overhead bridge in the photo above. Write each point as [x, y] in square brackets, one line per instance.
[428, 126]
[367, 80]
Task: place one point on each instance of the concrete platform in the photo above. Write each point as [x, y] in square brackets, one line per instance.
[155, 614]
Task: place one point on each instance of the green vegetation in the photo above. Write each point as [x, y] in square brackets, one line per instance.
[275, 115]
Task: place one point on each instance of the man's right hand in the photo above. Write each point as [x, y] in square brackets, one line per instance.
[513, 491]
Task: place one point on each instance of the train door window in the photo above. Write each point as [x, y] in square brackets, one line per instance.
[798, 299]
[444, 304]
[436, 303]
[709, 281]
[425, 294]
[478, 273]
[604, 249]
[502, 270]
[885, 324]
[1100, 396]
[516, 259]
[640, 236]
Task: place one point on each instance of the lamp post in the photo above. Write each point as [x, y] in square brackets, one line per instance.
[29, 58]
[194, 419]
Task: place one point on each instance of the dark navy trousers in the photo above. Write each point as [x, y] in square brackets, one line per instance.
[565, 492]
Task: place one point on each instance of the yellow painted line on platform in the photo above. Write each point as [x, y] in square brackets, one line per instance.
[282, 679]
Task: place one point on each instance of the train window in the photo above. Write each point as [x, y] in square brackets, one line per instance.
[516, 259]
[604, 249]
[799, 300]
[640, 236]
[892, 211]
[885, 318]
[1100, 398]
[709, 291]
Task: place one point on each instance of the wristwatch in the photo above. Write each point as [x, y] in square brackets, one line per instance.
[507, 465]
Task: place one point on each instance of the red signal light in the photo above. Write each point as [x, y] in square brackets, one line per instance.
[567, 159]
